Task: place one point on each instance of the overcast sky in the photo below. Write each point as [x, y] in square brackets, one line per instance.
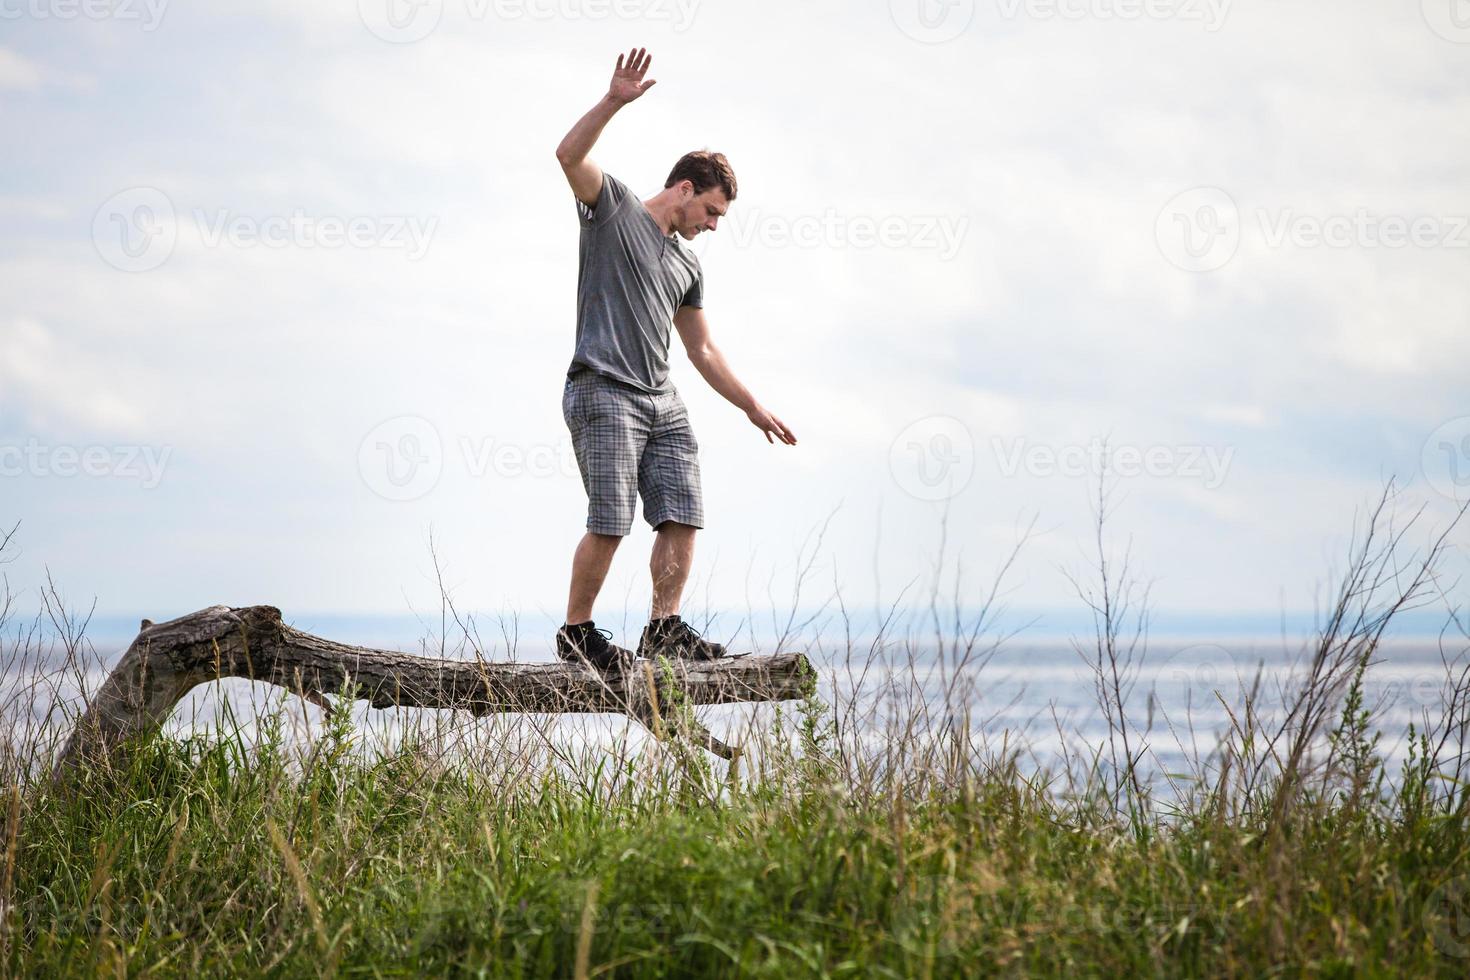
[286, 286]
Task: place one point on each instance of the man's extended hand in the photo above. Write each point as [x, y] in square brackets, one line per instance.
[627, 81]
[768, 424]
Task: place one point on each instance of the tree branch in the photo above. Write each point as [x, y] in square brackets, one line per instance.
[168, 659]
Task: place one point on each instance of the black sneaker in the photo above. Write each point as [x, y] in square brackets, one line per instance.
[672, 637]
[584, 643]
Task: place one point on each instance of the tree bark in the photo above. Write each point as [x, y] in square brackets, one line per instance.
[168, 659]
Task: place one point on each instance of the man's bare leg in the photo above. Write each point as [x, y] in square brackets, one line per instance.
[589, 570]
[673, 553]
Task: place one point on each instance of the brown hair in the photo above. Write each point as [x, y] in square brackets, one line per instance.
[706, 170]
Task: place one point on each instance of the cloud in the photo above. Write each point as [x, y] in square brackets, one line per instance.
[55, 385]
[18, 73]
[1049, 315]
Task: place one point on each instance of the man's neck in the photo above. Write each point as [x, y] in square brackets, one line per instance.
[661, 207]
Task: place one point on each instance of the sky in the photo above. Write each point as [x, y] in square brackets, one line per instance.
[287, 295]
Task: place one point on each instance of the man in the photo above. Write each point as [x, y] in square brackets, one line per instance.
[629, 427]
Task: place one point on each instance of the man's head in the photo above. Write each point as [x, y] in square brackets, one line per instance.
[703, 186]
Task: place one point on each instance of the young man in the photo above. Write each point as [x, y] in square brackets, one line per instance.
[636, 280]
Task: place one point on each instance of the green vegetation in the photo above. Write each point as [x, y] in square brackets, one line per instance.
[208, 855]
[903, 849]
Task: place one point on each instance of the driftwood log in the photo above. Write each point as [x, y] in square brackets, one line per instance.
[168, 659]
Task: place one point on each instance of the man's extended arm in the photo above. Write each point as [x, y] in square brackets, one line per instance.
[627, 84]
[707, 359]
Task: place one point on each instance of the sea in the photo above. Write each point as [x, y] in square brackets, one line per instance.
[892, 686]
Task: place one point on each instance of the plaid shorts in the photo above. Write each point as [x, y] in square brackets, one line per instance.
[630, 443]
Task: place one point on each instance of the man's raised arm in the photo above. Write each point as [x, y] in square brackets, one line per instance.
[627, 84]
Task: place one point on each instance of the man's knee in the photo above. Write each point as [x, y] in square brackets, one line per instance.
[674, 527]
[598, 543]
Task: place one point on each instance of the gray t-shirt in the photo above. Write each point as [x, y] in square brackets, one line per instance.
[631, 279]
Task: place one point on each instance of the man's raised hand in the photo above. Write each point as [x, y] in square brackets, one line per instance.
[627, 85]
[627, 81]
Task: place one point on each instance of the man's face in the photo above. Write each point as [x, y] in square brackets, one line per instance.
[701, 213]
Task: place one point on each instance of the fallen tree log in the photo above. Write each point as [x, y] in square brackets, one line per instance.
[167, 659]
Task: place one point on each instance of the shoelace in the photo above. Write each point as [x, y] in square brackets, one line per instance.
[606, 635]
[609, 655]
[684, 634]
[609, 658]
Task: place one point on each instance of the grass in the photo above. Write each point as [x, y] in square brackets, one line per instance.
[206, 855]
[905, 850]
